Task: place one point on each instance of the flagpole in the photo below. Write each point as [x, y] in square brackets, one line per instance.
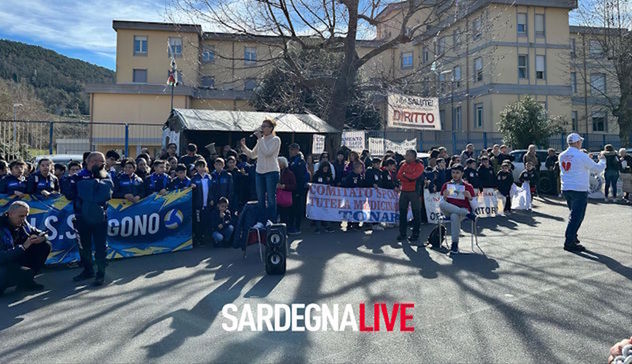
[172, 87]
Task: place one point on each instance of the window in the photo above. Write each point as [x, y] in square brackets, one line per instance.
[208, 54]
[441, 46]
[522, 24]
[425, 55]
[442, 82]
[250, 55]
[574, 125]
[140, 45]
[407, 60]
[250, 84]
[540, 68]
[539, 25]
[175, 47]
[476, 28]
[478, 115]
[573, 47]
[457, 118]
[523, 66]
[573, 82]
[208, 82]
[595, 48]
[599, 121]
[139, 75]
[478, 69]
[456, 37]
[598, 84]
[456, 73]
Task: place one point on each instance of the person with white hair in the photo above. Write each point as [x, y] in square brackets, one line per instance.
[90, 190]
[575, 169]
[23, 249]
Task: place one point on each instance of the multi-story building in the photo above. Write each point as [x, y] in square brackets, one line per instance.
[482, 56]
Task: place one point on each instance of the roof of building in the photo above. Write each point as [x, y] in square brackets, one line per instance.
[146, 25]
[245, 121]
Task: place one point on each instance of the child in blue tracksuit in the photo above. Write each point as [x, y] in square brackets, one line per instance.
[15, 183]
[221, 223]
[43, 182]
[181, 180]
[127, 184]
[158, 181]
[222, 182]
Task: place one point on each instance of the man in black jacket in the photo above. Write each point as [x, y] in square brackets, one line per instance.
[23, 249]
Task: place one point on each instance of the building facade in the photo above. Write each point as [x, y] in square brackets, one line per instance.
[481, 57]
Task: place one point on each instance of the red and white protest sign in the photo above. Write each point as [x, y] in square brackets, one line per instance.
[412, 112]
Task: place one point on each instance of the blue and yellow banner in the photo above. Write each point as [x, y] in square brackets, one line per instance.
[155, 224]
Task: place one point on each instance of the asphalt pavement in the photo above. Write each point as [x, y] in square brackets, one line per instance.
[525, 300]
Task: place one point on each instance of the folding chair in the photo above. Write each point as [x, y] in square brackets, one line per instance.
[443, 220]
[256, 236]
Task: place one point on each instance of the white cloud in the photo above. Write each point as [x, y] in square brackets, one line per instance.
[77, 25]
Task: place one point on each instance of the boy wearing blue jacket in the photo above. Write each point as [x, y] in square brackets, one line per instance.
[181, 180]
[158, 181]
[222, 182]
[128, 185]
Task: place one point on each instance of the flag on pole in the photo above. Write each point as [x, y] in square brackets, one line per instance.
[172, 80]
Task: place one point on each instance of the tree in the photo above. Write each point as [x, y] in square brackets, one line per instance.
[525, 122]
[609, 24]
[333, 27]
[280, 91]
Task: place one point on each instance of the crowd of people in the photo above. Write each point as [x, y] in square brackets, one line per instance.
[226, 179]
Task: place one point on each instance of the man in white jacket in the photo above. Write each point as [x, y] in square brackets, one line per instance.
[575, 169]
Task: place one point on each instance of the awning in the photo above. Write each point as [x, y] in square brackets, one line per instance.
[245, 121]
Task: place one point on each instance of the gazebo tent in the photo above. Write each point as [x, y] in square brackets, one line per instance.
[221, 127]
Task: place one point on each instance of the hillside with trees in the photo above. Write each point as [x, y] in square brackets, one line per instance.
[55, 80]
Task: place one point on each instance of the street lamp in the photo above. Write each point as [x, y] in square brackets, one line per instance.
[14, 118]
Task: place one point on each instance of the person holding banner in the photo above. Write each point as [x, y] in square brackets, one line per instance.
[266, 151]
[455, 204]
[575, 170]
[409, 172]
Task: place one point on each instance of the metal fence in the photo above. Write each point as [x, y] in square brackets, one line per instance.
[28, 137]
[456, 141]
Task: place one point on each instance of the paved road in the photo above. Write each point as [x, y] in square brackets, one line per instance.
[525, 301]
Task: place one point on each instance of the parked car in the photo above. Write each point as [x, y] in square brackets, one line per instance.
[519, 165]
[61, 158]
[548, 183]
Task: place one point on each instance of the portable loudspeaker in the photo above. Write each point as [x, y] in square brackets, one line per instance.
[276, 251]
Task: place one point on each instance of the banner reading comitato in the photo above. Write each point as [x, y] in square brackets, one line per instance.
[329, 203]
[412, 112]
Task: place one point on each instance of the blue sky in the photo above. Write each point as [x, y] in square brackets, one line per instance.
[78, 29]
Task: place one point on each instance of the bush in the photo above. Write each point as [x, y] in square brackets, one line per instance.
[525, 122]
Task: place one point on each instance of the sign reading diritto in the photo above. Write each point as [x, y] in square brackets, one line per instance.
[412, 112]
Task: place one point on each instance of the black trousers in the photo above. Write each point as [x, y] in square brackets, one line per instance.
[24, 270]
[507, 201]
[298, 209]
[201, 225]
[413, 199]
[92, 235]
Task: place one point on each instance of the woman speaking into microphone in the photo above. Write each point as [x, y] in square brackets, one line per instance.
[266, 151]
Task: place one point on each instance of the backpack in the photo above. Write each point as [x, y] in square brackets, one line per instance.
[433, 238]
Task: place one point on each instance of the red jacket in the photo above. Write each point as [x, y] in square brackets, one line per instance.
[408, 175]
